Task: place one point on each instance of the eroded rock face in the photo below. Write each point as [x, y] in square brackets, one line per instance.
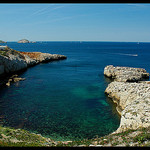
[136, 114]
[133, 103]
[125, 74]
[12, 60]
[133, 99]
[43, 57]
[1, 69]
[30, 61]
[12, 63]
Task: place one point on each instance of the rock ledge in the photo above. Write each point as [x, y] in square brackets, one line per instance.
[133, 99]
[12, 61]
[125, 74]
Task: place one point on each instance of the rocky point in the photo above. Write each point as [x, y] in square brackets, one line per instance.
[125, 74]
[12, 61]
[132, 98]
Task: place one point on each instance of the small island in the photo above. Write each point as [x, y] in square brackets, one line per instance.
[25, 41]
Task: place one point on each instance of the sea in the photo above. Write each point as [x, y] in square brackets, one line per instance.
[65, 100]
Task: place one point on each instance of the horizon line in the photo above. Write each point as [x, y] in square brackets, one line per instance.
[78, 41]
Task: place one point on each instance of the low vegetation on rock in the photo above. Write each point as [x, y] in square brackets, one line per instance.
[21, 138]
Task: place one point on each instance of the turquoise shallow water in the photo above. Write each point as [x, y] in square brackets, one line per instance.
[65, 99]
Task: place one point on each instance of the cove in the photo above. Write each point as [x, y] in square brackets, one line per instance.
[65, 100]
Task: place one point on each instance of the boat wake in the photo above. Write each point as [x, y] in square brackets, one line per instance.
[125, 54]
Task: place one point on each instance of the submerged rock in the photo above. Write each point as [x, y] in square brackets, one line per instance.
[125, 74]
[14, 78]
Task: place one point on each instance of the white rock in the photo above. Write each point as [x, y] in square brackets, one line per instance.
[124, 74]
[134, 101]
[12, 63]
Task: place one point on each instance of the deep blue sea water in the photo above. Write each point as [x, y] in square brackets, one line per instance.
[65, 99]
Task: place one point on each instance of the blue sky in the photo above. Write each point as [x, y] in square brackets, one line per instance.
[129, 22]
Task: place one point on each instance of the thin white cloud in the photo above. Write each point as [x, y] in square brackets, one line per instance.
[59, 19]
[58, 7]
[46, 10]
[40, 11]
[49, 21]
[138, 5]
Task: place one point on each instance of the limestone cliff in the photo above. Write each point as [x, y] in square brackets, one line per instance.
[133, 99]
[125, 74]
[133, 103]
[43, 57]
[12, 60]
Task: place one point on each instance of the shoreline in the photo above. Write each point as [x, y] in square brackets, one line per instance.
[13, 62]
[131, 93]
[87, 41]
[29, 59]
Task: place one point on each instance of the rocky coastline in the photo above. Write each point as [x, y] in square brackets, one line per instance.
[133, 104]
[131, 94]
[125, 74]
[12, 61]
[1, 41]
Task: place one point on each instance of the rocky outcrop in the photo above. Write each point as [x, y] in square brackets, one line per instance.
[125, 74]
[14, 78]
[23, 41]
[2, 47]
[30, 61]
[1, 41]
[132, 99]
[12, 61]
[43, 57]
[133, 103]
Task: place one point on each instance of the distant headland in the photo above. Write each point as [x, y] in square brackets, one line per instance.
[2, 41]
